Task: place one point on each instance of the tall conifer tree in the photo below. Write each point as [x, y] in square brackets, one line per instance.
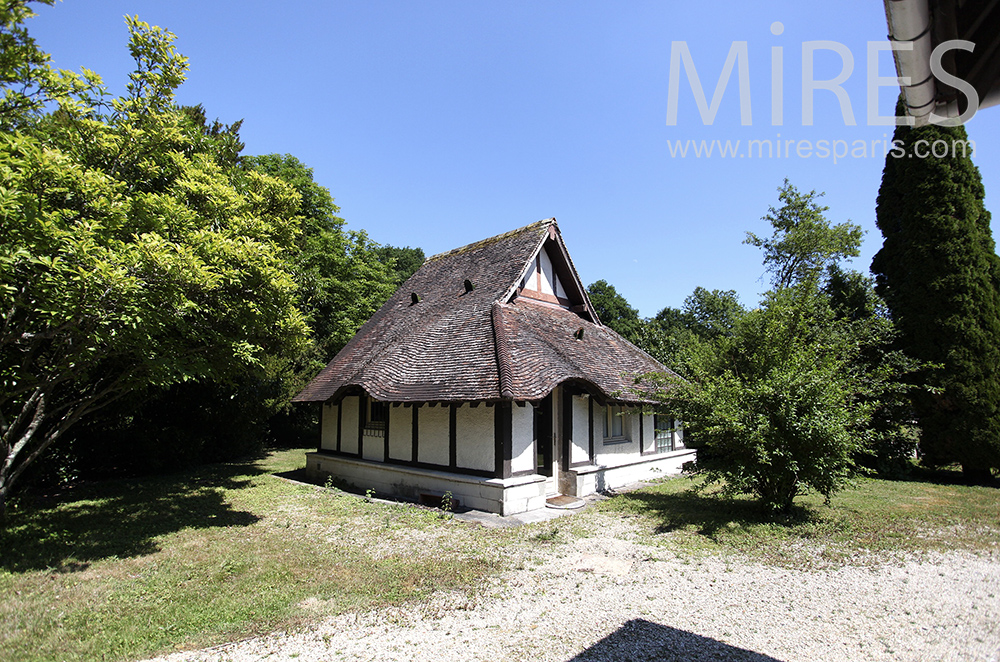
[940, 276]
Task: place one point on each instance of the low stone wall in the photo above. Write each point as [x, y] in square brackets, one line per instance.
[502, 496]
[583, 481]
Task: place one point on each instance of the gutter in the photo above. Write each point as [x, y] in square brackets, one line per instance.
[910, 26]
[918, 26]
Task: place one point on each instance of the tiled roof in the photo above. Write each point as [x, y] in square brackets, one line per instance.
[456, 344]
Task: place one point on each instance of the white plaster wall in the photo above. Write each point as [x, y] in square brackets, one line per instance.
[474, 447]
[401, 433]
[547, 275]
[580, 449]
[529, 281]
[522, 455]
[648, 433]
[679, 436]
[349, 424]
[328, 428]
[432, 435]
[587, 480]
[617, 449]
[373, 446]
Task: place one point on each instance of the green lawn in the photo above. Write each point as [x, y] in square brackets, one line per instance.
[873, 521]
[127, 569]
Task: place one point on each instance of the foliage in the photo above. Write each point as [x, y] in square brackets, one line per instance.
[778, 401]
[28, 81]
[405, 261]
[341, 274]
[674, 337]
[773, 409]
[892, 434]
[940, 276]
[803, 243]
[131, 256]
[614, 310]
[711, 314]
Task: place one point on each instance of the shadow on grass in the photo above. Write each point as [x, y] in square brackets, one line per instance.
[640, 639]
[951, 475]
[120, 518]
[707, 513]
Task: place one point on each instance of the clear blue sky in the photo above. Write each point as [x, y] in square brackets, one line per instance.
[435, 124]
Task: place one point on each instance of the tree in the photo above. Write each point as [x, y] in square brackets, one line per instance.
[675, 335]
[776, 404]
[891, 432]
[28, 81]
[803, 244]
[773, 409]
[343, 279]
[405, 261]
[130, 257]
[712, 313]
[342, 275]
[940, 276]
[614, 310]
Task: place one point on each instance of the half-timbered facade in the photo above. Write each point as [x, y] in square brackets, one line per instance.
[489, 375]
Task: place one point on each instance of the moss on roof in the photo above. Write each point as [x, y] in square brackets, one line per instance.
[532, 227]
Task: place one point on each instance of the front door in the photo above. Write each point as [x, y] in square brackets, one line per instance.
[544, 440]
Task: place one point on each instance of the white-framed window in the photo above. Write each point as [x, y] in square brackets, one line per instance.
[663, 433]
[668, 433]
[615, 423]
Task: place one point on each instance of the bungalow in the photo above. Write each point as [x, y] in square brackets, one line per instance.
[488, 375]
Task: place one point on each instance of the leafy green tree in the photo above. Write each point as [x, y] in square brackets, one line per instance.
[614, 310]
[940, 276]
[405, 261]
[773, 409]
[342, 275]
[803, 243]
[130, 257]
[776, 404]
[343, 279]
[891, 432]
[675, 335]
[711, 314]
[27, 79]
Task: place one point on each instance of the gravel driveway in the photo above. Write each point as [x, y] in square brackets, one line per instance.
[610, 597]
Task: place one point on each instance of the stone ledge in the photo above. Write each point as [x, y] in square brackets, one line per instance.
[632, 461]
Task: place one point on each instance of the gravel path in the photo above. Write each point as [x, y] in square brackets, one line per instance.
[609, 597]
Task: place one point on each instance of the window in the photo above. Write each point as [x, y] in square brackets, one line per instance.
[614, 422]
[663, 432]
[376, 417]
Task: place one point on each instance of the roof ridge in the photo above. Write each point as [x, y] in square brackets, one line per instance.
[544, 223]
[505, 368]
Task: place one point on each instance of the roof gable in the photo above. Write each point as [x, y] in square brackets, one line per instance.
[551, 277]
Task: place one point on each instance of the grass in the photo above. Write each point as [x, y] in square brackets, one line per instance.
[127, 569]
[874, 520]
